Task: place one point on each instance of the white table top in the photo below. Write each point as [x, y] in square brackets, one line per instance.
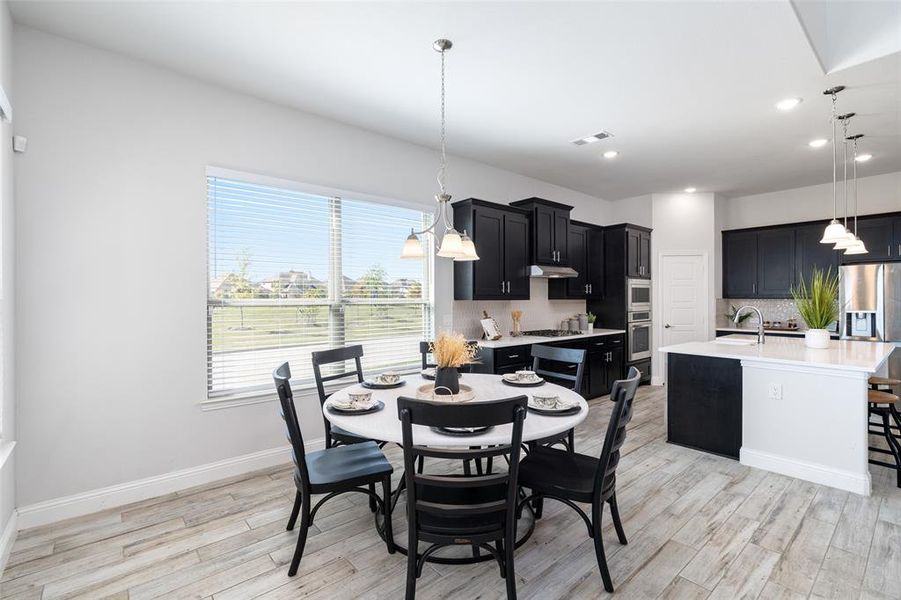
[843, 355]
[385, 425]
[509, 340]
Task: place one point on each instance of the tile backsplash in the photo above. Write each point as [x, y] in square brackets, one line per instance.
[773, 310]
[537, 313]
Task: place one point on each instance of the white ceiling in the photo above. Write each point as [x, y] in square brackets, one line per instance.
[687, 88]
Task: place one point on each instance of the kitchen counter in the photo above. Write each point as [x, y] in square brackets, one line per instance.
[774, 332]
[778, 406]
[524, 340]
[844, 355]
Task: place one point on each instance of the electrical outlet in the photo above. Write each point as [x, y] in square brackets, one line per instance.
[775, 391]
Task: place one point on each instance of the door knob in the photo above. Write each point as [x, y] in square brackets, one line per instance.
[667, 326]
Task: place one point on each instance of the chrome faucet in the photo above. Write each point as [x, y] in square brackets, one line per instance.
[760, 335]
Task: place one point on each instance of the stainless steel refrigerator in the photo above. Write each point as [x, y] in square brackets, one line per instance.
[870, 302]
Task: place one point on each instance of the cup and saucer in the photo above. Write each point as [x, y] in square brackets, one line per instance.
[524, 378]
[549, 403]
[356, 402]
[385, 381]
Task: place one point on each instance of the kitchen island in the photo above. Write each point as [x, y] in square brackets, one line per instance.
[778, 406]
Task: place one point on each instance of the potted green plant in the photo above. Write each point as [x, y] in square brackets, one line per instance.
[817, 302]
[591, 319]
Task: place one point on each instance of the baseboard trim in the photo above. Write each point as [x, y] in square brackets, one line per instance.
[838, 478]
[8, 538]
[84, 503]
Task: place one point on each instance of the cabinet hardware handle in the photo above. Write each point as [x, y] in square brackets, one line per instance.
[508, 287]
[502, 287]
[513, 356]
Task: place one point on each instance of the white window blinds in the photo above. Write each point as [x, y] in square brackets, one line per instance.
[291, 273]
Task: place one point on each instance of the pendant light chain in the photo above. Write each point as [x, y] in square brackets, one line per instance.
[442, 172]
[834, 159]
[854, 167]
[845, 165]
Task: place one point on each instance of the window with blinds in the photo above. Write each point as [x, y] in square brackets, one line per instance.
[291, 273]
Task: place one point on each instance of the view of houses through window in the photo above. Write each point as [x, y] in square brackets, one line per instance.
[292, 272]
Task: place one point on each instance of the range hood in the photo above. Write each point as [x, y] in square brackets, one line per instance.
[544, 272]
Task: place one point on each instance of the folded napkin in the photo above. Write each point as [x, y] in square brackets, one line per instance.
[348, 404]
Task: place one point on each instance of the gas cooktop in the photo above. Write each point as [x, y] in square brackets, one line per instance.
[551, 332]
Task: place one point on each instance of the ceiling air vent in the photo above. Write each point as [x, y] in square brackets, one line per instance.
[597, 137]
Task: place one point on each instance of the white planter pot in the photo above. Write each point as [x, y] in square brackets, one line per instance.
[816, 338]
[590, 327]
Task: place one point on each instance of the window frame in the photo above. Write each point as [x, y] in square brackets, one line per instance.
[256, 395]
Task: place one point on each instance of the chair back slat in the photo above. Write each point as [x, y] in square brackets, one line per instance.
[623, 393]
[282, 378]
[490, 493]
[567, 356]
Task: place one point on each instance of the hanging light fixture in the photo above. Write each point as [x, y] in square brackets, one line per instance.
[858, 247]
[453, 244]
[835, 231]
[849, 239]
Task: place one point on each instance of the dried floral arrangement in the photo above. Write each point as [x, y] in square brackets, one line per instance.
[451, 350]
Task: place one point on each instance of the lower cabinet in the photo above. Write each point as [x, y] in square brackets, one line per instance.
[604, 363]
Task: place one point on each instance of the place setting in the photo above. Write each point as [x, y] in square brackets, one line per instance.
[551, 404]
[524, 378]
[386, 381]
[357, 402]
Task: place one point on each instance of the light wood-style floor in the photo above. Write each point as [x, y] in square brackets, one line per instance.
[699, 526]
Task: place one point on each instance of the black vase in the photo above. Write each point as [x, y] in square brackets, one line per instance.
[447, 378]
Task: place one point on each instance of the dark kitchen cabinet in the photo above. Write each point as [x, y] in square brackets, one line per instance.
[501, 237]
[896, 238]
[739, 264]
[877, 234]
[810, 253]
[586, 256]
[638, 253]
[549, 230]
[775, 262]
[606, 360]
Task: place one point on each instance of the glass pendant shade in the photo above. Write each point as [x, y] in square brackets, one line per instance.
[849, 240]
[834, 233]
[469, 249]
[857, 248]
[412, 248]
[451, 245]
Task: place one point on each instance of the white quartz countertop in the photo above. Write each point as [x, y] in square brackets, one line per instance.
[523, 340]
[753, 331]
[842, 354]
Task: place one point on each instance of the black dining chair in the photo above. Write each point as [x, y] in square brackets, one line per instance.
[425, 351]
[333, 471]
[567, 366]
[335, 436]
[570, 477]
[476, 511]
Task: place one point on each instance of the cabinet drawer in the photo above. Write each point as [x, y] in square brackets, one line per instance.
[514, 355]
[605, 343]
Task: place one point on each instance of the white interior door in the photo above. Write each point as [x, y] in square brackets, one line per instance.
[684, 297]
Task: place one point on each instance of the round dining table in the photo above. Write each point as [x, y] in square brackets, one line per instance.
[385, 424]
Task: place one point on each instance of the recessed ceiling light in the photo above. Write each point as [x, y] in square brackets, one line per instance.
[788, 103]
[597, 137]
[863, 157]
[690, 190]
[818, 143]
[611, 154]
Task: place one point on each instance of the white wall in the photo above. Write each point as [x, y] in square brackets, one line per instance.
[7, 289]
[876, 194]
[681, 223]
[637, 210]
[112, 254]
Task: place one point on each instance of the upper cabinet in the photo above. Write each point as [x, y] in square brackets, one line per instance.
[638, 253]
[766, 262]
[878, 235]
[550, 230]
[585, 249]
[501, 237]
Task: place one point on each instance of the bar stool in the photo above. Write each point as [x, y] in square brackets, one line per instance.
[883, 405]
